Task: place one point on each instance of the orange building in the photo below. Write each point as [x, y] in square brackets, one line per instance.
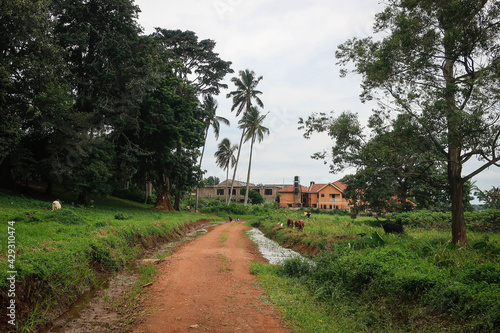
[323, 196]
[292, 196]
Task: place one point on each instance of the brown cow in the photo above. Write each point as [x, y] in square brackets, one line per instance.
[230, 219]
[289, 223]
[299, 224]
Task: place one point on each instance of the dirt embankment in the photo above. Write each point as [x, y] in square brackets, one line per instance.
[206, 286]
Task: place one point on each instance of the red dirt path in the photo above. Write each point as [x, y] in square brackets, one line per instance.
[206, 286]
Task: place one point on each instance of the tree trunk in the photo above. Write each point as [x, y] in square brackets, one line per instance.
[458, 230]
[163, 196]
[227, 176]
[163, 202]
[201, 159]
[236, 167]
[248, 174]
[177, 202]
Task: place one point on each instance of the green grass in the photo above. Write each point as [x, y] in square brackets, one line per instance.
[61, 254]
[365, 280]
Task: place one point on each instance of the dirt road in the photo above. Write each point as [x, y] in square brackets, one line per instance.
[206, 286]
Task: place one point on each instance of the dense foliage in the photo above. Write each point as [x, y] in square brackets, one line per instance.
[84, 97]
[366, 280]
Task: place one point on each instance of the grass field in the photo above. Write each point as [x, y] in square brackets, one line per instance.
[366, 281]
[60, 254]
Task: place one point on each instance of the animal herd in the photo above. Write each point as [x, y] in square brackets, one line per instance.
[297, 224]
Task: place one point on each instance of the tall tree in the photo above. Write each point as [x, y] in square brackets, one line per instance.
[34, 97]
[201, 66]
[225, 158]
[245, 92]
[171, 133]
[212, 120]
[438, 63]
[107, 59]
[255, 130]
[209, 107]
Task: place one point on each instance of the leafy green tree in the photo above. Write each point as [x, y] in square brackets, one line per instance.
[252, 123]
[491, 198]
[201, 66]
[246, 91]
[225, 158]
[437, 63]
[33, 95]
[255, 197]
[171, 134]
[109, 74]
[211, 181]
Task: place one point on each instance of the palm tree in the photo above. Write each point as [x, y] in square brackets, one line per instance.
[209, 106]
[211, 119]
[225, 157]
[245, 92]
[252, 122]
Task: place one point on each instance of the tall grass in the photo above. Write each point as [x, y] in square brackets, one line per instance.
[60, 254]
[417, 282]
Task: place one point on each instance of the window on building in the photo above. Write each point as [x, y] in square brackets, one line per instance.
[268, 191]
[220, 191]
[256, 190]
[234, 191]
[322, 195]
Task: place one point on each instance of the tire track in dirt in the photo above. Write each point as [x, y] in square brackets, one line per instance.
[206, 286]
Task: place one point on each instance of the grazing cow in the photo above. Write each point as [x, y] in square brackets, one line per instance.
[230, 219]
[392, 228]
[299, 224]
[56, 205]
[289, 223]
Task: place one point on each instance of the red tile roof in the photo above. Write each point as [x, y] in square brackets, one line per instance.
[290, 188]
[314, 188]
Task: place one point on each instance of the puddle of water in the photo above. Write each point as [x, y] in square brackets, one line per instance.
[271, 250]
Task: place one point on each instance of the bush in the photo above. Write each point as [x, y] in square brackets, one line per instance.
[481, 221]
[295, 267]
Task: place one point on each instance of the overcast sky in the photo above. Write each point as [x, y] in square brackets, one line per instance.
[292, 45]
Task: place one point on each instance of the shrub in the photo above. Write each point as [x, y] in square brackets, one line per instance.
[295, 267]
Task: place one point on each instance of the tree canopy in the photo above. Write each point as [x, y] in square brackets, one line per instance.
[436, 63]
[89, 103]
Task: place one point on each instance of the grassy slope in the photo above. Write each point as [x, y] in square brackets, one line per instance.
[417, 282]
[60, 254]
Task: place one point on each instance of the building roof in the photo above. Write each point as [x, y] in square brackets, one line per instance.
[237, 183]
[315, 188]
[290, 188]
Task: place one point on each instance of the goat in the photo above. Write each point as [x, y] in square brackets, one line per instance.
[289, 223]
[392, 228]
[230, 219]
[56, 205]
[299, 224]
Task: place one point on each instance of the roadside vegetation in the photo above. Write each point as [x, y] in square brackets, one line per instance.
[61, 254]
[365, 280]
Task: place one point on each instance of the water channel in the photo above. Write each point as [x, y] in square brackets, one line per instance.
[270, 249]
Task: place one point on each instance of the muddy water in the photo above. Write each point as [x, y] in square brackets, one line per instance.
[94, 310]
[271, 250]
